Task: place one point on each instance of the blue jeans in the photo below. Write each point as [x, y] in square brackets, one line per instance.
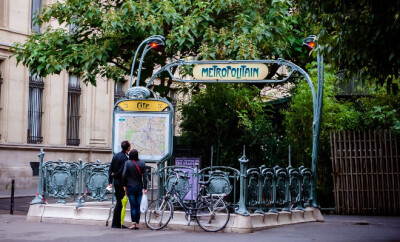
[135, 197]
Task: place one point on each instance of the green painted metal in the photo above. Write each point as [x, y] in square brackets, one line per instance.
[282, 190]
[65, 179]
[60, 179]
[295, 187]
[255, 187]
[223, 180]
[242, 210]
[155, 38]
[95, 179]
[219, 183]
[307, 186]
[183, 187]
[39, 191]
[269, 189]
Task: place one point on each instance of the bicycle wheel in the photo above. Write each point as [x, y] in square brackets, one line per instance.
[212, 215]
[158, 214]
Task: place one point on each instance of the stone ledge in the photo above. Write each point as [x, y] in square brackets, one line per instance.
[97, 213]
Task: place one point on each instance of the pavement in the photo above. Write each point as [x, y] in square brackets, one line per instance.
[30, 192]
[335, 228]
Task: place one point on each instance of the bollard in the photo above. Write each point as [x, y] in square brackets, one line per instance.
[12, 196]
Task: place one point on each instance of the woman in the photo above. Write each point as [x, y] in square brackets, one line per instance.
[135, 182]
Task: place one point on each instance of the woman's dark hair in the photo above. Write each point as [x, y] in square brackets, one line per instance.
[125, 145]
[134, 155]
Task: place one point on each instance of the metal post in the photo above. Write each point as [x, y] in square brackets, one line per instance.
[317, 103]
[157, 38]
[39, 190]
[80, 184]
[160, 182]
[146, 49]
[317, 129]
[242, 210]
[12, 196]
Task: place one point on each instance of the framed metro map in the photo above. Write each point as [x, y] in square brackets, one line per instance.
[147, 132]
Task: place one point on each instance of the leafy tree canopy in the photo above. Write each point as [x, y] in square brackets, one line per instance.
[106, 34]
[360, 37]
[227, 116]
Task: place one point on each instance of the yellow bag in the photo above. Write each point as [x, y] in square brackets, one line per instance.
[124, 202]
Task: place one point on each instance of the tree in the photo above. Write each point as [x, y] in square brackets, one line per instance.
[360, 37]
[227, 116]
[336, 116]
[105, 34]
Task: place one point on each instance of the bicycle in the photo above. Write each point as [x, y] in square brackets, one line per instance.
[211, 211]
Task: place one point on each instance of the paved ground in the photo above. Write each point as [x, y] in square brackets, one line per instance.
[335, 228]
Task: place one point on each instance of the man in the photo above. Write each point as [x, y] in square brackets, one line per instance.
[115, 172]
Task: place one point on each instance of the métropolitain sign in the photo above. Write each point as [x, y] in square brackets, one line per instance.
[234, 71]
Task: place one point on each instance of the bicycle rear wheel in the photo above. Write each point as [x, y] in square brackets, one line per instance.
[158, 214]
[212, 215]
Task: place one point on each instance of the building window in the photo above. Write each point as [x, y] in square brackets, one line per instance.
[74, 93]
[36, 8]
[118, 91]
[35, 101]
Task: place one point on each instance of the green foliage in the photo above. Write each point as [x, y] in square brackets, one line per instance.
[107, 33]
[226, 116]
[336, 116]
[360, 37]
[379, 110]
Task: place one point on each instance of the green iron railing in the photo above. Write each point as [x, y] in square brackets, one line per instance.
[254, 190]
[69, 179]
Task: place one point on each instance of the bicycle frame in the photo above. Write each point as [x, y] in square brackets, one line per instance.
[189, 211]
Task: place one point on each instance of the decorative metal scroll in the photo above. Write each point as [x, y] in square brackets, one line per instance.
[221, 179]
[219, 183]
[287, 188]
[253, 176]
[60, 179]
[268, 188]
[295, 187]
[281, 186]
[265, 188]
[306, 186]
[95, 177]
[255, 187]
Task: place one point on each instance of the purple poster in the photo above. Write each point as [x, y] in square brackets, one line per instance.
[189, 162]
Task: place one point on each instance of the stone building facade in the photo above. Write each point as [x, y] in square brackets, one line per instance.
[59, 113]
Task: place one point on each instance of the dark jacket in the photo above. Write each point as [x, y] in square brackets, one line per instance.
[132, 177]
[116, 167]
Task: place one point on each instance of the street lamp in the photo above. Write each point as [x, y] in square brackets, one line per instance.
[153, 42]
[309, 43]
